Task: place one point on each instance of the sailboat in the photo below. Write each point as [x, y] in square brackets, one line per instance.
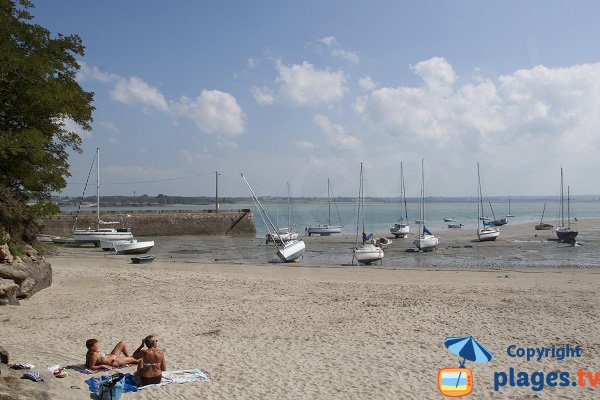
[565, 233]
[287, 251]
[327, 229]
[284, 234]
[401, 228]
[509, 215]
[92, 235]
[366, 253]
[543, 226]
[499, 221]
[488, 231]
[426, 241]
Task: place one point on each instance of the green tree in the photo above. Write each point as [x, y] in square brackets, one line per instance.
[38, 95]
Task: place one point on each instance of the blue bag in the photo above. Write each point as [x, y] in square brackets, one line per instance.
[112, 389]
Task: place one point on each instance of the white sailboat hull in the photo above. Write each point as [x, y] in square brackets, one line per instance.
[324, 230]
[96, 235]
[281, 237]
[400, 230]
[368, 253]
[291, 250]
[134, 248]
[109, 244]
[427, 242]
[488, 234]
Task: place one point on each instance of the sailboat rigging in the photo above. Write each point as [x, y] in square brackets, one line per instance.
[488, 231]
[327, 229]
[426, 241]
[287, 251]
[367, 252]
[401, 228]
[565, 233]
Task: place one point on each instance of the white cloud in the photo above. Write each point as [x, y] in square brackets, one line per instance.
[87, 73]
[331, 43]
[134, 90]
[336, 133]
[71, 126]
[305, 144]
[253, 63]
[367, 83]
[213, 112]
[305, 85]
[109, 126]
[529, 116]
[263, 95]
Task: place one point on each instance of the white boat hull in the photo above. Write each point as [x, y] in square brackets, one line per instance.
[400, 230]
[427, 242]
[96, 235]
[291, 251]
[324, 230]
[488, 234]
[107, 245]
[134, 248]
[281, 237]
[368, 253]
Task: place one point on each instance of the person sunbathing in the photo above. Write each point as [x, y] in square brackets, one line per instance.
[96, 361]
[151, 364]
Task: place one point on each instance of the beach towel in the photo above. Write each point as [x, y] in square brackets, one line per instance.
[179, 376]
[95, 383]
[33, 375]
[81, 368]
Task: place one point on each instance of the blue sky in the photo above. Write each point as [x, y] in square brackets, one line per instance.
[299, 91]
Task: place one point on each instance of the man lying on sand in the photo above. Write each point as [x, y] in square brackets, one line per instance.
[96, 361]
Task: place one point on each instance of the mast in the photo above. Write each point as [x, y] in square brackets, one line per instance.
[97, 187]
[362, 196]
[328, 204]
[289, 208]
[261, 209]
[422, 213]
[562, 200]
[543, 211]
[403, 194]
[358, 212]
[480, 202]
[569, 207]
[216, 191]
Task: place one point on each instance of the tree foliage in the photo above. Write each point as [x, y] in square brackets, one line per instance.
[38, 95]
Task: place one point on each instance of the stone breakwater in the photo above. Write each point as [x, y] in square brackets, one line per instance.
[160, 222]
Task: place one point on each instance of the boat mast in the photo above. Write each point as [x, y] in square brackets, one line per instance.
[543, 210]
[261, 209]
[480, 202]
[289, 208]
[562, 200]
[403, 194]
[97, 187]
[328, 204]
[216, 191]
[569, 207]
[422, 213]
[358, 212]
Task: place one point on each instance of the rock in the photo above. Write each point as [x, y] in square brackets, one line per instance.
[4, 356]
[8, 292]
[5, 255]
[31, 276]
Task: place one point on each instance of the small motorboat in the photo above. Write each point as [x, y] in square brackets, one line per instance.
[142, 259]
[133, 248]
[449, 220]
[455, 226]
[543, 227]
[382, 242]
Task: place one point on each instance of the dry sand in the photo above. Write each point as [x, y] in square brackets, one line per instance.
[274, 331]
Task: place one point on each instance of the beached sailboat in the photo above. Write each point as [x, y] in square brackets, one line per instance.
[509, 215]
[565, 233]
[486, 230]
[367, 252]
[95, 235]
[284, 234]
[327, 229]
[426, 241]
[499, 221]
[287, 251]
[542, 226]
[134, 247]
[401, 228]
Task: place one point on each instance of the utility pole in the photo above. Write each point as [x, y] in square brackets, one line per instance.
[216, 191]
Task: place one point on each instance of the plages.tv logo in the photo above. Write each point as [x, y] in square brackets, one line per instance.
[458, 382]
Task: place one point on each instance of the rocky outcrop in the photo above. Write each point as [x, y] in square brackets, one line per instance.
[21, 277]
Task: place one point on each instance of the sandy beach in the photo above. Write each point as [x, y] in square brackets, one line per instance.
[271, 331]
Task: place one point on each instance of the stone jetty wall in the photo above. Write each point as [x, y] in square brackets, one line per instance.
[160, 223]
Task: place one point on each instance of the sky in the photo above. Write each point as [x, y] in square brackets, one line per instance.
[301, 91]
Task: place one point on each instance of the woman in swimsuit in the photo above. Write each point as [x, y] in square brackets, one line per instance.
[152, 362]
[96, 361]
